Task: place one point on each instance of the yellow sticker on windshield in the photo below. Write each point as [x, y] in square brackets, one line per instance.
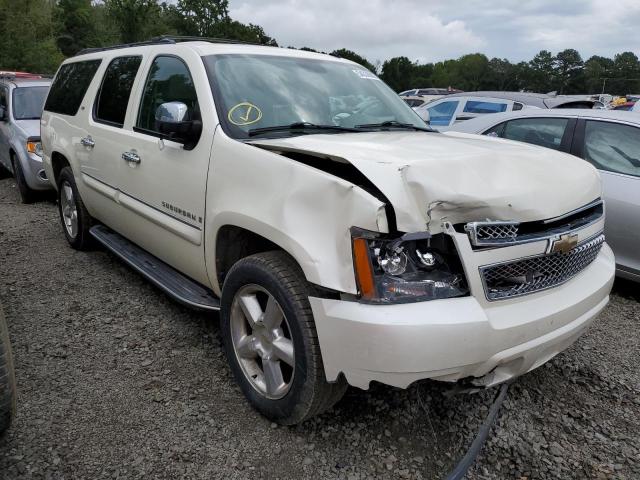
[244, 113]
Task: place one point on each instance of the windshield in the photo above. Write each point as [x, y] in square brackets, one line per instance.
[259, 91]
[28, 102]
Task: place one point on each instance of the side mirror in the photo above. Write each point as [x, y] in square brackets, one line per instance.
[174, 120]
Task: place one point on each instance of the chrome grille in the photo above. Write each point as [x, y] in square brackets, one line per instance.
[495, 231]
[532, 274]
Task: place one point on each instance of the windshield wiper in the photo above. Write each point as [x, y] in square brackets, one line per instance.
[300, 126]
[395, 124]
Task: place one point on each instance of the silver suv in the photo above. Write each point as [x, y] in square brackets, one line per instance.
[21, 101]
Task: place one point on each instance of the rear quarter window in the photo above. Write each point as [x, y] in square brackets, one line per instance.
[474, 106]
[69, 87]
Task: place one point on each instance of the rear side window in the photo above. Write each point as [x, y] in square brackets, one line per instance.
[613, 147]
[69, 87]
[546, 132]
[169, 80]
[474, 106]
[442, 113]
[113, 97]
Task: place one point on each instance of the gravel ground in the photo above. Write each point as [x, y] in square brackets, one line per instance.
[117, 381]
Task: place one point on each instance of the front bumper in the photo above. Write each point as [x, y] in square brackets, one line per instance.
[34, 172]
[461, 337]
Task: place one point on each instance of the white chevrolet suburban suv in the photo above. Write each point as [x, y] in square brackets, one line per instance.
[343, 241]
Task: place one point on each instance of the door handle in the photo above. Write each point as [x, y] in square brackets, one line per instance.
[131, 157]
[88, 141]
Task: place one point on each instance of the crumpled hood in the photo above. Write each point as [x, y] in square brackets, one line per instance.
[457, 177]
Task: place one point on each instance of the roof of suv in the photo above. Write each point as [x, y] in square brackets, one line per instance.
[206, 47]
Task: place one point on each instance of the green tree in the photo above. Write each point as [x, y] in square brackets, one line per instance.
[568, 72]
[137, 20]
[472, 71]
[27, 32]
[542, 72]
[626, 73]
[202, 18]
[596, 71]
[398, 73]
[354, 57]
[75, 25]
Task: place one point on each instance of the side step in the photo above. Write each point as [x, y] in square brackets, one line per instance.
[163, 276]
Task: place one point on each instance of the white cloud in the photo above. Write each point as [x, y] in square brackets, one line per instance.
[376, 29]
[432, 30]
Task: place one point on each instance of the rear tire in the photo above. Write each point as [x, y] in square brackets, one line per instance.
[271, 341]
[74, 216]
[7, 378]
[26, 194]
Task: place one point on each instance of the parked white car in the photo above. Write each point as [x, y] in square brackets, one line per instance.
[343, 241]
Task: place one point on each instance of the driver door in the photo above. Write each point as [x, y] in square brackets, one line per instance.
[163, 185]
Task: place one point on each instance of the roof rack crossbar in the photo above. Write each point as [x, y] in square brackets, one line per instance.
[164, 39]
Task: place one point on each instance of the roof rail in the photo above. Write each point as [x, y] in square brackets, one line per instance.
[163, 39]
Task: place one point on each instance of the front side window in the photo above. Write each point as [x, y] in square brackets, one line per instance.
[546, 132]
[264, 91]
[28, 102]
[168, 80]
[442, 113]
[113, 97]
[69, 87]
[613, 147]
[475, 106]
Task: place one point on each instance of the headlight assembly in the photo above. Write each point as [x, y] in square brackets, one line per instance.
[413, 268]
[34, 146]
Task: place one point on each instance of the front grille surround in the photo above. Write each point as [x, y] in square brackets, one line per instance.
[524, 276]
[494, 234]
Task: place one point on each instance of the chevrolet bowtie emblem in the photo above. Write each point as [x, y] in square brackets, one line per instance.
[565, 243]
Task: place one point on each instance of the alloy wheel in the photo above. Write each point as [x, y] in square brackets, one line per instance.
[69, 209]
[262, 341]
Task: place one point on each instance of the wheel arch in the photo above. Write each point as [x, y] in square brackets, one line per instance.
[58, 162]
[234, 240]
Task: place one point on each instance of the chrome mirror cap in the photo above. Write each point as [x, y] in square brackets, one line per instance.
[172, 112]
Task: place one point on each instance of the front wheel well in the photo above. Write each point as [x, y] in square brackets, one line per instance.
[235, 243]
[58, 162]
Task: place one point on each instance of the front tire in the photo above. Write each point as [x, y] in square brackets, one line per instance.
[74, 216]
[26, 194]
[270, 339]
[7, 378]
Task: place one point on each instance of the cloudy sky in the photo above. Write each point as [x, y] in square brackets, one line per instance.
[432, 30]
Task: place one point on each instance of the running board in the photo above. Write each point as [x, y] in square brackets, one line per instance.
[163, 276]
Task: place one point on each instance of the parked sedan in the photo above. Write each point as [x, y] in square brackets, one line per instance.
[610, 140]
[21, 101]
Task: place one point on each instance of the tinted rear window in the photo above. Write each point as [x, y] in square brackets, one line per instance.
[113, 98]
[69, 87]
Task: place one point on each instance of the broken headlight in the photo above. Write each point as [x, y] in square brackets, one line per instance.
[412, 268]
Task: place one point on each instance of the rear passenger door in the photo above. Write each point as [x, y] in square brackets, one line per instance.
[101, 167]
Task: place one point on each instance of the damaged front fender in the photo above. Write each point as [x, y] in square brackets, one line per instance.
[305, 211]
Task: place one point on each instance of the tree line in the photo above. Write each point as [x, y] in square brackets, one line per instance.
[36, 35]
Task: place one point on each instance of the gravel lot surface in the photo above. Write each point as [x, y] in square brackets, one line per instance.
[117, 381]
